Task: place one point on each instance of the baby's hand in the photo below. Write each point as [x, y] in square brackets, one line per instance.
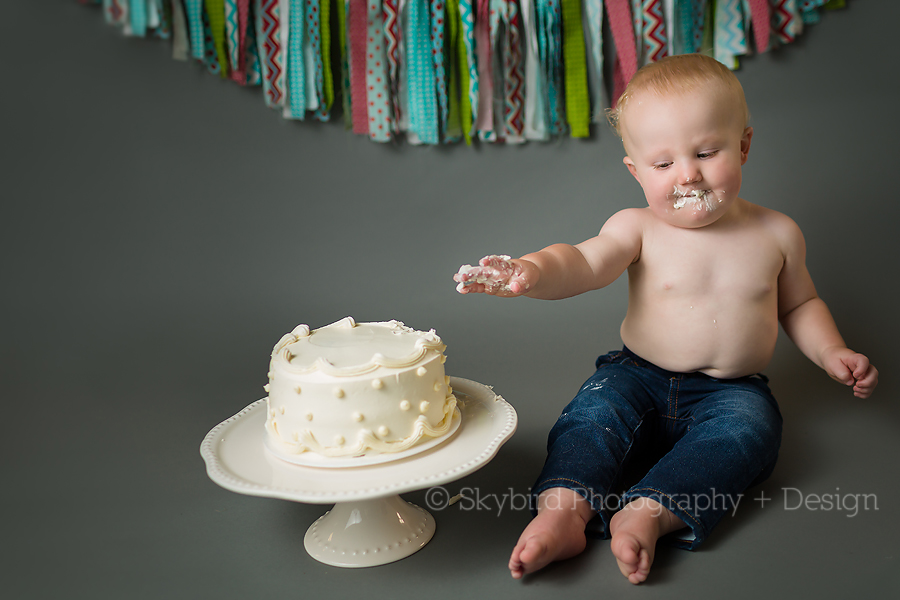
[852, 369]
[495, 275]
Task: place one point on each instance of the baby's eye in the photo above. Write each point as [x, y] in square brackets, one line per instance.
[709, 154]
[662, 165]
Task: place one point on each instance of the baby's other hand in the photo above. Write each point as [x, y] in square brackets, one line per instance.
[851, 369]
[496, 275]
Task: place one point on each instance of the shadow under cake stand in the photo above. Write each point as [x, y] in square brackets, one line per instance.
[370, 524]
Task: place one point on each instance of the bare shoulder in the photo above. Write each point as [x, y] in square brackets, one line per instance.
[620, 236]
[777, 224]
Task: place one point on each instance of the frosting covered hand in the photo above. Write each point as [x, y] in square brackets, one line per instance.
[497, 275]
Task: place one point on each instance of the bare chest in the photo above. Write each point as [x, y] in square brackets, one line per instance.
[686, 264]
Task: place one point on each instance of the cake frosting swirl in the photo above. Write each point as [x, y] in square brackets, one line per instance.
[350, 388]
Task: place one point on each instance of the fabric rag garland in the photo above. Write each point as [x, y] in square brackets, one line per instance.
[440, 71]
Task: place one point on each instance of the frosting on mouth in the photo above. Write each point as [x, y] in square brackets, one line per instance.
[695, 199]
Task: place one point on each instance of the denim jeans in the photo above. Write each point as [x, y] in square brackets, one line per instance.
[713, 439]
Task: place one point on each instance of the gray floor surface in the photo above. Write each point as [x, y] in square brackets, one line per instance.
[162, 229]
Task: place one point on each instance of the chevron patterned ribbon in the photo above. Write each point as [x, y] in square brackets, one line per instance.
[513, 74]
[809, 10]
[578, 110]
[729, 32]
[653, 31]
[786, 21]
[252, 62]
[116, 12]
[625, 66]
[271, 52]
[392, 54]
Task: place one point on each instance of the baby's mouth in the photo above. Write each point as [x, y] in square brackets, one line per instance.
[697, 199]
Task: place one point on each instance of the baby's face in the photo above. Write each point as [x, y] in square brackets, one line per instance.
[686, 151]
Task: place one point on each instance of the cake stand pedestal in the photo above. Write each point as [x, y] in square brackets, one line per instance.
[370, 524]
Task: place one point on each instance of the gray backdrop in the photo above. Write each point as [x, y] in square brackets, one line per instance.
[162, 229]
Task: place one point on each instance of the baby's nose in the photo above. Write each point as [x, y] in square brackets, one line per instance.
[691, 176]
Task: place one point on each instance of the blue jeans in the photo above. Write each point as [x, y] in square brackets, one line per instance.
[713, 438]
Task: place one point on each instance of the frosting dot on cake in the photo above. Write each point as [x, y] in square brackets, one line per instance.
[339, 440]
[404, 405]
[383, 431]
[421, 371]
[297, 389]
[437, 386]
[377, 384]
[338, 392]
[357, 416]
[309, 416]
[423, 405]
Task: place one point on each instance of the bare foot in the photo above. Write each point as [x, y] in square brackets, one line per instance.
[635, 530]
[556, 533]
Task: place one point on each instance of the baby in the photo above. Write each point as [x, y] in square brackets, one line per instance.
[710, 277]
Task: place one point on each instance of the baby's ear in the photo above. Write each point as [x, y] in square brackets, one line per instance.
[631, 169]
[745, 144]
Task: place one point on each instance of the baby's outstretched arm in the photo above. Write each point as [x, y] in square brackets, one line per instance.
[560, 270]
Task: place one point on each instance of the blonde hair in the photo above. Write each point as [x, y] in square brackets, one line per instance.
[680, 74]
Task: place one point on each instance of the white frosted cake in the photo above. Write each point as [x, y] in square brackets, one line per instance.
[349, 388]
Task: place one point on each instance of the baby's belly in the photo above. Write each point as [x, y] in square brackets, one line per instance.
[720, 343]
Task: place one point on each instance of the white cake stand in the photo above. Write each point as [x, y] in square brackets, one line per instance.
[370, 524]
